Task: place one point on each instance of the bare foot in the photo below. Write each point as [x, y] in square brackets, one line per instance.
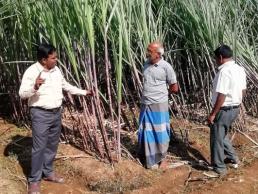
[164, 164]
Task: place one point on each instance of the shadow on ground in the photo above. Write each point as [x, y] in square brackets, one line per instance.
[20, 148]
[177, 147]
[187, 152]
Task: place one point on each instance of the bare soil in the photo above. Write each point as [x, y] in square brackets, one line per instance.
[85, 174]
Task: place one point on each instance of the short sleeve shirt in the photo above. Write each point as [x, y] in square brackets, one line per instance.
[230, 81]
[156, 78]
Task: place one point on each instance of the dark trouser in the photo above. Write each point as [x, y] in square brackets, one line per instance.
[220, 144]
[46, 129]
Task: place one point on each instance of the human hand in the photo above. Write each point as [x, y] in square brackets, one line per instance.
[89, 93]
[211, 119]
[39, 81]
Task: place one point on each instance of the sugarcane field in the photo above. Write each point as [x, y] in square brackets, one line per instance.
[128, 96]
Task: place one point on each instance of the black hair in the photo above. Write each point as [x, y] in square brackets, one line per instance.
[44, 50]
[224, 51]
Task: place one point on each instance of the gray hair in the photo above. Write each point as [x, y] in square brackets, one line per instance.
[161, 50]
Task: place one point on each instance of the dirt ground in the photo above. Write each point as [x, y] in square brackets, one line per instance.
[85, 174]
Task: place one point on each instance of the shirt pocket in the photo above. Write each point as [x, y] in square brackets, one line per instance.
[159, 75]
[56, 80]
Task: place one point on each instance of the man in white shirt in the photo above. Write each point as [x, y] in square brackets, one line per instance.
[42, 85]
[229, 86]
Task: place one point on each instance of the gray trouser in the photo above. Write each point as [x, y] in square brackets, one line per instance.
[46, 129]
[220, 144]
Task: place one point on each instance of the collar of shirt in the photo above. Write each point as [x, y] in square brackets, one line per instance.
[160, 61]
[225, 64]
[41, 68]
[156, 64]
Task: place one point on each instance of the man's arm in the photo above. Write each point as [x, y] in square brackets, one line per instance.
[171, 79]
[173, 88]
[27, 88]
[219, 102]
[74, 90]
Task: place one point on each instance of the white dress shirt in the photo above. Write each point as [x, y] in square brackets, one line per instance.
[230, 81]
[50, 94]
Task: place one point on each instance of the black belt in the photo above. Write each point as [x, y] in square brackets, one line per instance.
[45, 109]
[229, 107]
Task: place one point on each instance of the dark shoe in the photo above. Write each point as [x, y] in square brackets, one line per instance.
[232, 163]
[34, 188]
[235, 165]
[54, 178]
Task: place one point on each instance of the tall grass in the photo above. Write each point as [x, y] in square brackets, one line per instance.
[101, 46]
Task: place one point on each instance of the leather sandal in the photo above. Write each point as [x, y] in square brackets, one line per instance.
[34, 188]
[54, 178]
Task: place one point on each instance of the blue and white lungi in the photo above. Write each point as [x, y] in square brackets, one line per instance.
[154, 133]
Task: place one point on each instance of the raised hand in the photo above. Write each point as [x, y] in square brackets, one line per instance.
[39, 81]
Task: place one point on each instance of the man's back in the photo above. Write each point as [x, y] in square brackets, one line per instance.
[230, 81]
